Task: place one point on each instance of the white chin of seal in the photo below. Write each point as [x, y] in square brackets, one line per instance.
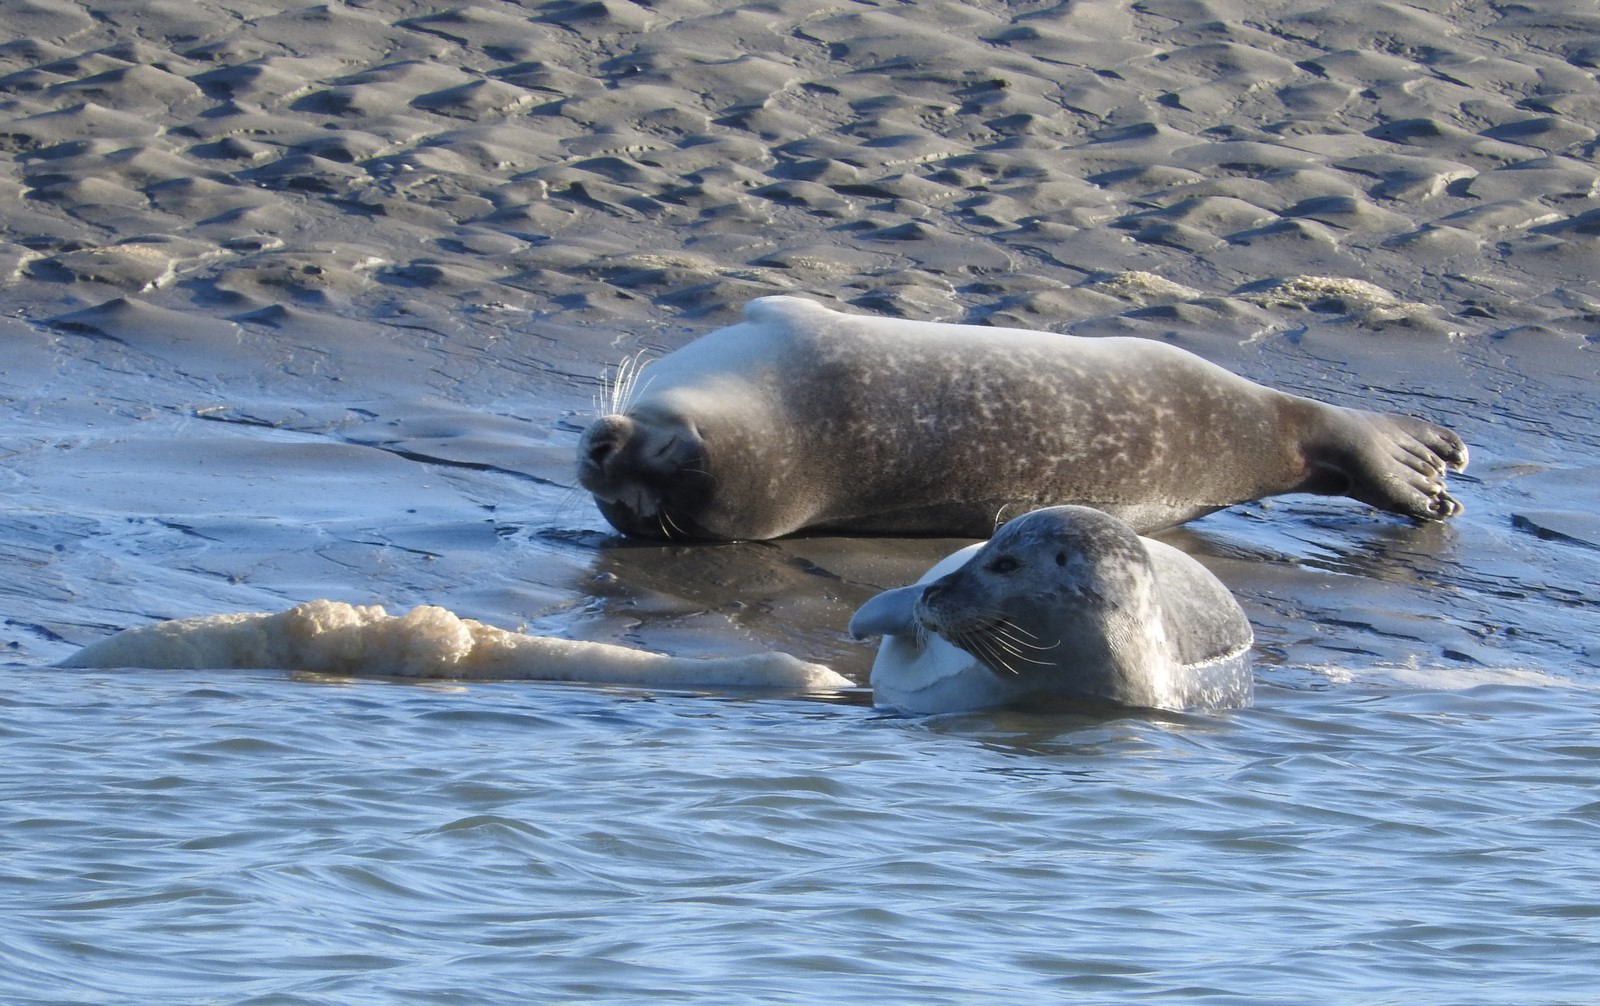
[1064, 606]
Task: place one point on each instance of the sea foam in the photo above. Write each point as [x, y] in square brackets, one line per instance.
[333, 637]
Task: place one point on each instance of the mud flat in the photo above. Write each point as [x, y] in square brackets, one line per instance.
[311, 302]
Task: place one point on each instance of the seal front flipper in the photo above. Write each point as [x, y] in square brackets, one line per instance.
[891, 613]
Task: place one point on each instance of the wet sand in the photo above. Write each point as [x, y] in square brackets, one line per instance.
[312, 303]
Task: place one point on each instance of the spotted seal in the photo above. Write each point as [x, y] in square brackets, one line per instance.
[801, 417]
[1062, 604]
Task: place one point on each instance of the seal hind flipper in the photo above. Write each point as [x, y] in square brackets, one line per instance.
[1395, 463]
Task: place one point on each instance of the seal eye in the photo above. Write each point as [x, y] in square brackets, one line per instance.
[1004, 564]
[1061, 558]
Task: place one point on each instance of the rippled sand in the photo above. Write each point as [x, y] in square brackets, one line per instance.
[312, 302]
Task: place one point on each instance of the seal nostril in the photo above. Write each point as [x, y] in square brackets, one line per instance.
[599, 452]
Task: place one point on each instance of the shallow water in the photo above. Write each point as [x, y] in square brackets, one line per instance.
[1409, 814]
[182, 837]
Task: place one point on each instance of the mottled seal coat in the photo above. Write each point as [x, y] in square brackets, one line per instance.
[1063, 604]
[803, 417]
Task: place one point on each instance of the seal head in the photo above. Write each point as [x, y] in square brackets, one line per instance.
[1065, 603]
[649, 473]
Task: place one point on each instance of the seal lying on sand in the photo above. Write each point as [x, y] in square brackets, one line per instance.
[803, 417]
[1067, 604]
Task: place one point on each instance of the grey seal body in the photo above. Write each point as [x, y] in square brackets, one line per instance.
[1063, 604]
[801, 417]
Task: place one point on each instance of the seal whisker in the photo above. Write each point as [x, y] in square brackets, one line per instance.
[607, 395]
[571, 500]
[699, 471]
[972, 646]
[998, 656]
[999, 624]
[1000, 516]
[1000, 621]
[1006, 629]
[636, 389]
[1001, 644]
[668, 522]
[631, 389]
[621, 379]
[980, 646]
[985, 637]
[621, 385]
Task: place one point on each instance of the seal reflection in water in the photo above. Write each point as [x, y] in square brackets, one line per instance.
[1063, 604]
[801, 417]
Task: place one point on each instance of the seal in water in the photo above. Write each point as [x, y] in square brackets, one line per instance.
[802, 417]
[1063, 604]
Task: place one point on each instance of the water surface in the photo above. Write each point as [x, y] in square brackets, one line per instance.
[179, 837]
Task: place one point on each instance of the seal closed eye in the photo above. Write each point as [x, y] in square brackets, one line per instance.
[800, 417]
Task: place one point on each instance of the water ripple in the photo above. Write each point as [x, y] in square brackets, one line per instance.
[272, 840]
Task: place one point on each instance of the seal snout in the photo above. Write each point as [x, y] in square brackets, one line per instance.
[601, 441]
[932, 604]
